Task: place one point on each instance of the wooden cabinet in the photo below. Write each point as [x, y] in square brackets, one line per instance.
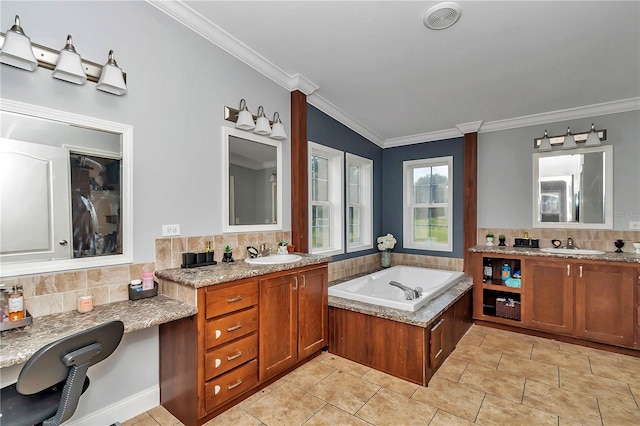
[489, 289]
[549, 295]
[246, 332]
[293, 319]
[591, 300]
[605, 303]
[441, 339]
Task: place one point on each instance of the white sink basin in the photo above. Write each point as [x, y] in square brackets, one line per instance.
[571, 251]
[274, 259]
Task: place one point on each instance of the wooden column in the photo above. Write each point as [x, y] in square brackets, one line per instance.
[470, 203]
[299, 200]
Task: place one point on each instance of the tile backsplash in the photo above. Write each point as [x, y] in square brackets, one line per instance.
[593, 239]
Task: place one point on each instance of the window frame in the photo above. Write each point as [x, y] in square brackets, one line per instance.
[366, 202]
[408, 204]
[335, 195]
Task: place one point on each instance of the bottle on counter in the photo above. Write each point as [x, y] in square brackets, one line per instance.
[506, 272]
[487, 271]
[15, 304]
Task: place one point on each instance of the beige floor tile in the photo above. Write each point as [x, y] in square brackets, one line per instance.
[499, 411]
[627, 360]
[163, 416]
[391, 408]
[442, 418]
[292, 406]
[308, 374]
[331, 416]
[256, 396]
[389, 382]
[635, 390]
[567, 422]
[492, 331]
[454, 398]
[512, 346]
[571, 360]
[547, 344]
[534, 370]
[493, 382]
[590, 352]
[570, 405]
[234, 416]
[472, 339]
[142, 419]
[534, 340]
[600, 387]
[345, 391]
[616, 414]
[623, 372]
[451, 369]
[480, 356]
[346, 365]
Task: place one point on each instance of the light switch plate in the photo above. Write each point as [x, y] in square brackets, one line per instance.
[634, 225]
[170, 230]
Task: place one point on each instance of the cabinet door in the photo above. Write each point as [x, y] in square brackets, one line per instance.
[605, 305]
[312, 311]
[278, 324]
[548, 290]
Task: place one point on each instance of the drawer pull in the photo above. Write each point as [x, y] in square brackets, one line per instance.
[235, 385]
[438, 354]
[216, 390]
[232, 357]
[218, 362]
[234, 328]
[568, 270]
[295, 286]
[234, 299]
[304, 281]
[437, 325]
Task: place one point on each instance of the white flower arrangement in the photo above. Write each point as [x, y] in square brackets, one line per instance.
[386, 242]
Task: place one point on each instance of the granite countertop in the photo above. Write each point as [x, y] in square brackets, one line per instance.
[609, 256]
[422, 317]
[17, 345]
[204, 276]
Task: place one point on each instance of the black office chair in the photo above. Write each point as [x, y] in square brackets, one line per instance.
[53, 379]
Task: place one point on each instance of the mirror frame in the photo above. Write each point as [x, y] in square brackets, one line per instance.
[46, 266]
[608, 189]
[242, 134]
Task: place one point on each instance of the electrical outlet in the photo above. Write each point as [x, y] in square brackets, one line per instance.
[170, 230]
[634, 225]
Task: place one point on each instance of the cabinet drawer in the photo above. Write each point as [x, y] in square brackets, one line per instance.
[227, 328]
[229, 299]
[231, 384]
[230, 355]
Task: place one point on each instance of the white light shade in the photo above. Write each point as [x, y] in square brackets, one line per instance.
[277, 131]
[16, 50]
[569, 141]
[593, 139]
[262, 123]
[545, 143]
[245, 118]
[111, 78]
[69, 66]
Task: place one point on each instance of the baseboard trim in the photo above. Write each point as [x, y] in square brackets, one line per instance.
[122, 410]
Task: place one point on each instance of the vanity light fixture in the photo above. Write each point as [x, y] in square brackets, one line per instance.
[112, 78]
[565, 141]
[69, 66]
[262, 123]
[245, 118]
[277, 132]
[569, 140]
[593, 139]
[16, 50]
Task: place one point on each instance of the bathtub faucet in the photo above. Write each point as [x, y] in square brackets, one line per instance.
[409, 293]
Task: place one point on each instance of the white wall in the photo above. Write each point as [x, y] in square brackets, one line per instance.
[505, 170]
[178, 86]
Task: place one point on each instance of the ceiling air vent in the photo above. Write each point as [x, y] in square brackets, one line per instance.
[442, 15]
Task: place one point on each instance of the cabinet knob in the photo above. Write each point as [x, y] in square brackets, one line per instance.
[218, 362]
[218, 334]
[216, 389]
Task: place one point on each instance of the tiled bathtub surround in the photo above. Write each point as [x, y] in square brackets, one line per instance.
[57, 292]
[169, 250]
[592, 239]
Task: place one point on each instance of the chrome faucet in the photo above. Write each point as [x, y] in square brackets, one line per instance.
[264, 250]
[570, 244]
[409, 293]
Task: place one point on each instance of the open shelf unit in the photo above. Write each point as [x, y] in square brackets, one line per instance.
[493, 289]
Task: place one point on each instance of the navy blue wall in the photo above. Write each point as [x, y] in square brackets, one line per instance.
[326, 131]
[392, 159]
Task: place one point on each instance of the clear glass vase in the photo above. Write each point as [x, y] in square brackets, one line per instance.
[385, 258]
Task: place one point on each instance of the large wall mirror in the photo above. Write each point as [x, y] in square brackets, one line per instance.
[252, 184]
[573, 189]
[65, 191]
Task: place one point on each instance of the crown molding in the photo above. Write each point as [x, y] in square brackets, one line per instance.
[216, 35]
[472, 127]
[437, 135]
[605, 108]
[336, 113]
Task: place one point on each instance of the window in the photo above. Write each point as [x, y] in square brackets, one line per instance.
[325, 199]
[428, 198]
[359, 203]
